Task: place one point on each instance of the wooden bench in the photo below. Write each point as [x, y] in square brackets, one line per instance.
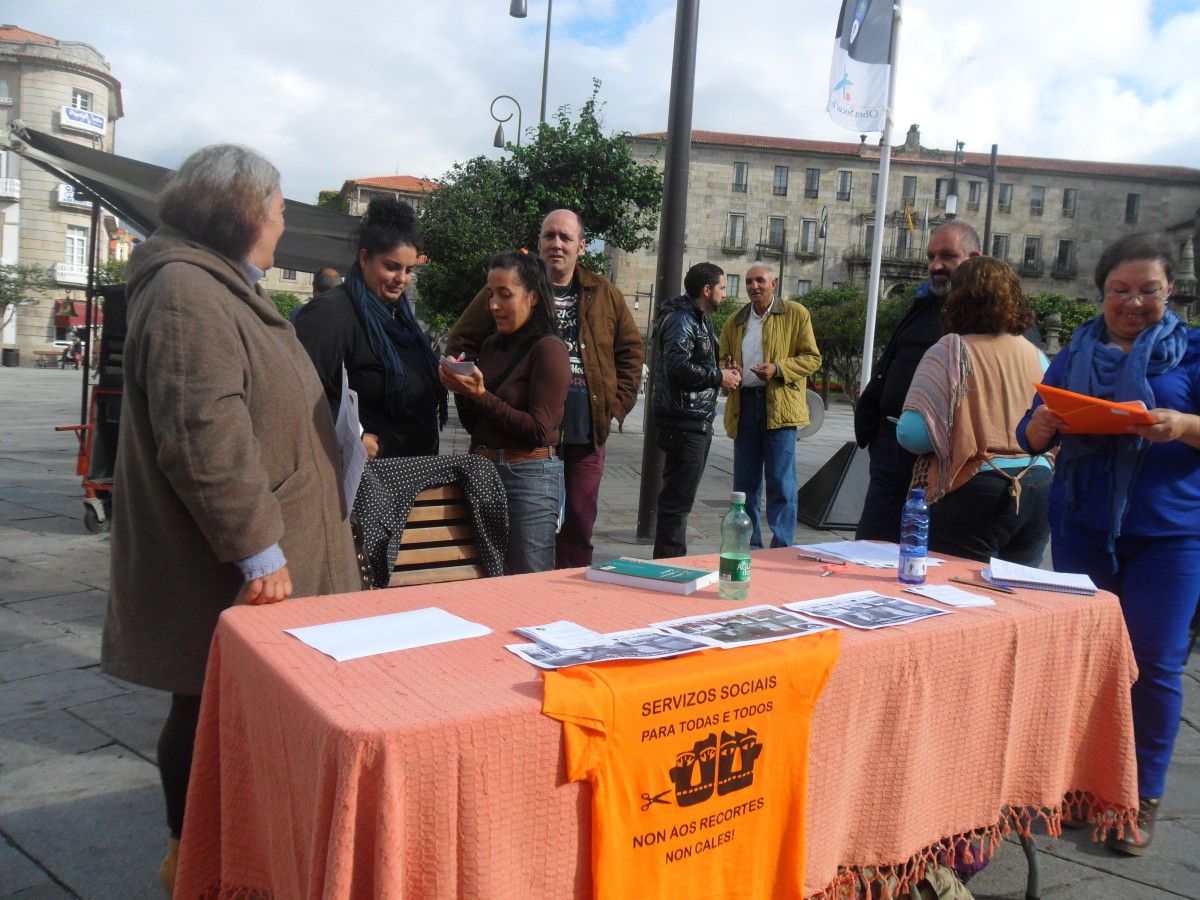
[47, 359]
[439, 540]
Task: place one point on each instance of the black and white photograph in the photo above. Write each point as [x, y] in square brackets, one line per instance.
[638, 643]
[866, 609]
[741, 627]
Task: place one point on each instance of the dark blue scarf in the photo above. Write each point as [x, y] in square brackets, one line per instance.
[385, 332]
[1098, 370]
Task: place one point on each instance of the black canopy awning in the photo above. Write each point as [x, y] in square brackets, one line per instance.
[314, 237]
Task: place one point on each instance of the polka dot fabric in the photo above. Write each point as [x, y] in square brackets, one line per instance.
[385, 499]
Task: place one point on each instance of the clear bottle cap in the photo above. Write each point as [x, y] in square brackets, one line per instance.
[737, 497]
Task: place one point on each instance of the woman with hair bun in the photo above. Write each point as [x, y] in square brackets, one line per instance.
[367, 325]
[512, 404]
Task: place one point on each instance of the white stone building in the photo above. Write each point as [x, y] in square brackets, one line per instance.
[761, 197]
[67, 89]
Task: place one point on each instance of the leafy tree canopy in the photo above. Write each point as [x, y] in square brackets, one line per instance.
[839, 318]
[20, 285]
[285, 302]
[1073, 312]
[485, 206]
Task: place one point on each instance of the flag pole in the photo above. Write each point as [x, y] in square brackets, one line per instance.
[885, 160]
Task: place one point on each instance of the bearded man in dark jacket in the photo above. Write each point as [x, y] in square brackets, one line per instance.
[687, 377]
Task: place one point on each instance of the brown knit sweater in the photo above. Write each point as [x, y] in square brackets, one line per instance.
[524, 411]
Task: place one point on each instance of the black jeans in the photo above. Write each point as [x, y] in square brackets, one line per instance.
[175, 745]
[977, 521]
[891, 472]
[686, 453]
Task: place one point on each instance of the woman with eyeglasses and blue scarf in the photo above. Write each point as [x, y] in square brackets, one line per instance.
[1125, 509]
[368, 326]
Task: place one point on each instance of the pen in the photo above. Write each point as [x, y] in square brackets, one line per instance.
[820, 559]
[984, 584]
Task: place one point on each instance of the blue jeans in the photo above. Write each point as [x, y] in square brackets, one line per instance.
[534, 488]
[757, 450]
[1158, 581]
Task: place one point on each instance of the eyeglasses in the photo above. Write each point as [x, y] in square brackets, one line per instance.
[1142, 297]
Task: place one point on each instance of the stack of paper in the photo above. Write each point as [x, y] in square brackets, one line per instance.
[1012, 575]
[871, 554]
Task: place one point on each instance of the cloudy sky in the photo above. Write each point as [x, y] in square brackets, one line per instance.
[358, 88]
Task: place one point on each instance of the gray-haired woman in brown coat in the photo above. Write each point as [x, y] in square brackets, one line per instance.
[226, 483]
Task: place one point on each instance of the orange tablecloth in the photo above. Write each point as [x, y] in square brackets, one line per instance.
[431, 772]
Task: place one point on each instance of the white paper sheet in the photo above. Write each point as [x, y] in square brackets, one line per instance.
[863, 553]
[356, 638]
[951, 596]
[349, 437]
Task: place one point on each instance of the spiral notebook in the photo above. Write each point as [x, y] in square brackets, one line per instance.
[1012, 575]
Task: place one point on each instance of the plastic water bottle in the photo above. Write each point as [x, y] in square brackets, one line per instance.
[735, 550]
[914, 539]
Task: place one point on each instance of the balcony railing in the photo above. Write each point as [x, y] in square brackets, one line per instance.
[734, 246]
[738, 187]
[780, 190]
[843, 195]
[1004, 207]
[1034, 266]
[1035, 208]
[812, 193]
[10, 189]
[1065, 268]
[71, 273]
[1068, 212]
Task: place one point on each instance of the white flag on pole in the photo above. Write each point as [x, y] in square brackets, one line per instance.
[862, 52]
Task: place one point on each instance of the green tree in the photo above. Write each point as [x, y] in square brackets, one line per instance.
[721, 315]
[484, 206]
[285, 302]
[332, 200]
[839, 319]
[1073, 312]
[20, 286]
[111, 271]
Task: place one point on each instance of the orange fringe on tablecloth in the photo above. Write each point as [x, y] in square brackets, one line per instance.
[892, 882]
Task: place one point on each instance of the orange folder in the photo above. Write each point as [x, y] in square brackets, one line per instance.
[1091, 415]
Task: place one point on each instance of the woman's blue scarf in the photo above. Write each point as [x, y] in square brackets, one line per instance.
[385, 332]
[1098, 370]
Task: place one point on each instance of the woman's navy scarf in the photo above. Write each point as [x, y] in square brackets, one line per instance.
[384, 333]
[1098, 370]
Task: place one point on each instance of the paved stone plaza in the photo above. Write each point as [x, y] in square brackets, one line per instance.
[80, 806]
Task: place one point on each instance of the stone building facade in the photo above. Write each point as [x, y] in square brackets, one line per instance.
[67, 89]
[808, 207]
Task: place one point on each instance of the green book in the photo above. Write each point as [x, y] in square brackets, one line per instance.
[652, 576]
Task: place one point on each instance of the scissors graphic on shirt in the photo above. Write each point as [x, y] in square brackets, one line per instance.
[657, 798]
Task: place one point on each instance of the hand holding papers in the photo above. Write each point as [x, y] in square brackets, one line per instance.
[1082, 414]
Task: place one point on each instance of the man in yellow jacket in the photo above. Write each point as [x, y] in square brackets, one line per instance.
[771, 342]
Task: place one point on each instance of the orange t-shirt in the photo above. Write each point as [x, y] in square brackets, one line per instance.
[698, 767]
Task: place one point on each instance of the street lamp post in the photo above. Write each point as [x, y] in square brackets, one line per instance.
[988, 173]
[498, 140]
[952, 196]
[823, 234]
[518, 10]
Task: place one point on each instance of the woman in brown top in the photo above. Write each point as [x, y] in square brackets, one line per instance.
[512, 404]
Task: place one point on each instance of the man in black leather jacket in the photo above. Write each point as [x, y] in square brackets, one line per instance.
[687, 377]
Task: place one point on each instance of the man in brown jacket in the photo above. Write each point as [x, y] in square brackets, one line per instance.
[605, 350]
